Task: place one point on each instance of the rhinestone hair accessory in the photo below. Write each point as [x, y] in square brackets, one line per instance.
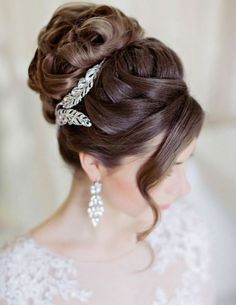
[64, 112]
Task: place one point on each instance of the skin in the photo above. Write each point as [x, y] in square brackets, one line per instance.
[69, 230]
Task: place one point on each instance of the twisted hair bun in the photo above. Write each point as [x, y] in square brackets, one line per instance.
[76, 37]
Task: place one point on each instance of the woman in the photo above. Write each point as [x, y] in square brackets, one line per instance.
[126, 126]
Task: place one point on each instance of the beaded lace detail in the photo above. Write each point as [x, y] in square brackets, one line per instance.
[30, 275]
[184, 238]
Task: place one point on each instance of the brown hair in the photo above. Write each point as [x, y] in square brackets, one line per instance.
[139, 94]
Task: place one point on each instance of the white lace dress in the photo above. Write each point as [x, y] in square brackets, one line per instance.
[32, 274]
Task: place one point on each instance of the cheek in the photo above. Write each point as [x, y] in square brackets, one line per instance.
[120, 191]
[170, 187]
[165, 192]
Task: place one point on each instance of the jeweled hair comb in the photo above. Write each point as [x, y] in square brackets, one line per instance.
[64, 112]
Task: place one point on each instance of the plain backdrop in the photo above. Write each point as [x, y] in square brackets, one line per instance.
[34, 180]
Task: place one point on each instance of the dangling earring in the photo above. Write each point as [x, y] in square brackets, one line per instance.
[95, 209]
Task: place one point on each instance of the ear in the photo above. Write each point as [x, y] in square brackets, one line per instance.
[91, 166]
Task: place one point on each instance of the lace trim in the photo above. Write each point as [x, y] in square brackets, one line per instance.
[184, 237]
[33, 274]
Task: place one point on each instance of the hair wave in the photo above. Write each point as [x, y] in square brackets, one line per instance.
[138, 95]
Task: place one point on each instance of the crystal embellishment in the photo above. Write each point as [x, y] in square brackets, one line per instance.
[71, 116]
[95, 209]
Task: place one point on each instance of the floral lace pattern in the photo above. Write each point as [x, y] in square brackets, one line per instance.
[183, 236]
[32, 275]
[47, 275]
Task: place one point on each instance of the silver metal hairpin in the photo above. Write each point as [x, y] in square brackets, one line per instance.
[67, 115]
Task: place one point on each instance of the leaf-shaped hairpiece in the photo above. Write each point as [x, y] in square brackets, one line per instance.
[71, 116]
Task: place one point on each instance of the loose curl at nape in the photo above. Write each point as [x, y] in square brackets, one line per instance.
[140, 95]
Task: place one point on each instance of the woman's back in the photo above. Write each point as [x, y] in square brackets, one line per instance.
[31, 273]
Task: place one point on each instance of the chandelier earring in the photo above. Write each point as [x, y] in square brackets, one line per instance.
[95, 209]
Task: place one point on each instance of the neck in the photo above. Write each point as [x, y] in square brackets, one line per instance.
[115, 229]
